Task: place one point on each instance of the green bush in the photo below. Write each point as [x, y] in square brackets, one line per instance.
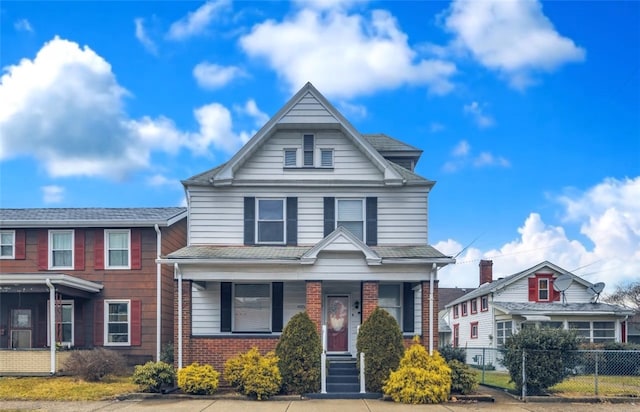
[550, 357]
[254, 375]
[421, 378]
[198, 379]
[299, 350]
[153, 375]
[166, 355]
[450, 353]
[93, 365]
[380, 339]
[463, 379]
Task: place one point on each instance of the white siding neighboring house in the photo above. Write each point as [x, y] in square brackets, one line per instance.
[309, 215]
[529, 299]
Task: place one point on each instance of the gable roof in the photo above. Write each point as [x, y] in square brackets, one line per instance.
[387, 145]
[344, 240]
[90, 217]
[505, 282]
[286, 118]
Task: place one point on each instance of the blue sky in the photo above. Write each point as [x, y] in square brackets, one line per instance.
[528, 112]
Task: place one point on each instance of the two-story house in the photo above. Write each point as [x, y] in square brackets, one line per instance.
[312, 215]
[85, 278]
[544, 295]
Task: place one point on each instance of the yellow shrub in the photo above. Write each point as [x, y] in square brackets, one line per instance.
[198, 379]
[254, 375]
[420, 378]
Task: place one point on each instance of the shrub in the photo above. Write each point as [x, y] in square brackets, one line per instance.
[198, 379]
[550, 357]
[380, 339]
[254, 375]
[94, 365]
[463, 380]
[450, 353]
[166, 355]
[299, 350]
[421, 378]
[153, 375]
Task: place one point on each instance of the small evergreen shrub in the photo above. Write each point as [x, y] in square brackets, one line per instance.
[94, 365]
[420, 379]
[298, 351]
[380, 339]
[550, 357]
[198, 379]
[152, 376]
[450, 353]
[254, 375]
[166, 354]
[463, 380]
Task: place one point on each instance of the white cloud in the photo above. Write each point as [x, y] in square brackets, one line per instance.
[52, 194]
[328, 4]
[462, 157]
[213, 76]
[23, 25]
[251, 109]
[436, 127]
[143, 36]
[513, 37]
[65, 109]
[608, 215]
[352, 111]
[196, 22]
[159, 180]
[476, 111]
[344, 55]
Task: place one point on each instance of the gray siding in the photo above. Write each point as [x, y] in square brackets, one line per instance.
[308, 110]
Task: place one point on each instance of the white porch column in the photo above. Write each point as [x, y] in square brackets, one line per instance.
[52, 325]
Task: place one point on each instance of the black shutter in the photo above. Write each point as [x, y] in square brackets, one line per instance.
[329, 215]
[372, 221]
[292, 221]
[225, 307]
[277, 292]
[249, 220]
[407, 307]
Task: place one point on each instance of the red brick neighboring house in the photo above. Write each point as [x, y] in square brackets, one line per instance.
[309, 215]
[95, 270]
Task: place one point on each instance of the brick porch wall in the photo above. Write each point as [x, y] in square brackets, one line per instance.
[369, 299]
[425, 314]
[314, 303]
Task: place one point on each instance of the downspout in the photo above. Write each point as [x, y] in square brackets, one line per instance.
[158, 292]
[52, 325]
[432, 277]
[176, 269]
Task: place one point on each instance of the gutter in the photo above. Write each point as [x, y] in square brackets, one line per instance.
[52, 325]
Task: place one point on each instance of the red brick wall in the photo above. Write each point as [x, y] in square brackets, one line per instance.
[314, 303]
[369, 299]
[425, 314]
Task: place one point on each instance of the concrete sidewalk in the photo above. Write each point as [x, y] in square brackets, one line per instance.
[311, 405]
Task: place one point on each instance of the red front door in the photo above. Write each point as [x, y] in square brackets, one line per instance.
[337, 323]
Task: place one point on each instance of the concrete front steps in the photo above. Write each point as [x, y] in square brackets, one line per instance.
[343, 381]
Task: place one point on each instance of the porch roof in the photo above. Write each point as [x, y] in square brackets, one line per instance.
[58, 279]
[291, 253]
[559, 309]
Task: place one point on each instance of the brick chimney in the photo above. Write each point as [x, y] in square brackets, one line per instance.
[486, 271]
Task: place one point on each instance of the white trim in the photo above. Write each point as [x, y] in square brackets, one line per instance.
[283, 201]
[364, 213]
[73, 321]
[106, 322]
[55, 278]
[50, 248]
[13, 243]
[107, 266]
[311, 255]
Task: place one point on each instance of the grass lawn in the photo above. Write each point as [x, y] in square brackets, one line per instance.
[575, 385]
[63, 388]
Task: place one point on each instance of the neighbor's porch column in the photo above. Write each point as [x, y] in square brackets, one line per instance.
[425, 314]
[369, 298]
[314, 303]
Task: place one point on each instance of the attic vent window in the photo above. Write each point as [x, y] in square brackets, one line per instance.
[308, 146]
[326, 157]
[290, 157]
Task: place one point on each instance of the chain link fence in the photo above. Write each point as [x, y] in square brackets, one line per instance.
[600, 373]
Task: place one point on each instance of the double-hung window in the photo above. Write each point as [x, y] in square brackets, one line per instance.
[252, 307]
[474, 305]
[117, 249]
[484, 303]
[61, 249]
[7, 244]
[350, 215]
[543, 289]
[389, 300]
[308, 149]
[464, 308]
[503, 331]
[474, 330]
[456, 311]
[117, 322]
[270, 221]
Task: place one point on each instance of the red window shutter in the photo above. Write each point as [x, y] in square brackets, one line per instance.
[136, 249]
[78, 257]
[43, 250]
[98, 323]
[21, 245]
[623, 332]
[533, 289]
[98, 249]
[79, 327]
[136, 323]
